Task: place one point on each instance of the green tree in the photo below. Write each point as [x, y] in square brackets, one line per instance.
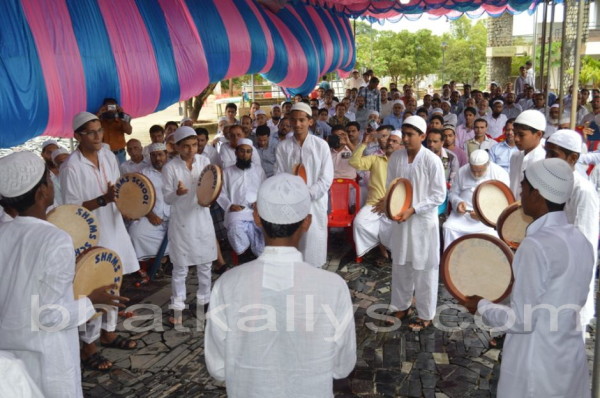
[465, 52]
[590, 72]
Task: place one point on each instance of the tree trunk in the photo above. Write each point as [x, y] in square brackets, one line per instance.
[199, 101]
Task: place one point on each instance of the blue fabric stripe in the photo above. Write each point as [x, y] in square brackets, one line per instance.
[312, 28]
[158, 31]
[279, 69]
[337, 43]
[214, 37]
[23, 98]
[101, 78]
[259, 51]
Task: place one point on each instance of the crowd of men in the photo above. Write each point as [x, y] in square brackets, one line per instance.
[276, 223]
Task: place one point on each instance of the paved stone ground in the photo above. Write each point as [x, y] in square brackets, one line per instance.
[398, 363]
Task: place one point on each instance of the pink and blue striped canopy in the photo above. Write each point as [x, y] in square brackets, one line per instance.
[59, 57]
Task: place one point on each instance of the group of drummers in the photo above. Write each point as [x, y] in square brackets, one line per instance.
[163, 201]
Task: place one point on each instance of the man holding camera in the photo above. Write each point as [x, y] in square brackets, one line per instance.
[115, 124]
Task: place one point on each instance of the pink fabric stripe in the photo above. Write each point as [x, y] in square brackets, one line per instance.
[339, 39]
[268, 37]
[297, 65]
[239, 38]
[190, 60]
[325, 38]
[349, 39]
[134, 56]
[61, 62]
[310, 34]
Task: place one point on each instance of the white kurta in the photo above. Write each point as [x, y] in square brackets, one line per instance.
[240, 187]
[552, 267]
[299, 330]
[582, 210]
[212, 154]
[58, 200]
[129, 166]
[37, 262]
[191, 232]
[16, 381]
[315, 155]
[80, 181]
[4, 217]
[518, 163]
[457, 224]
[369, 229]
[228, 158]
[417, 240]
[147, 238]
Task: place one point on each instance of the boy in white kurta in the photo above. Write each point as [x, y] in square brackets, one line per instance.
[544, 355]
[37, 262]
[309, 338]
[582, 207]
[238, 197]
[191, 233]
[314, 154]
[415, 239]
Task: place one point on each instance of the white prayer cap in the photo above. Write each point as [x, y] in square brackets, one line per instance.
[275, 106]
[555, 106]
[373, 112]
[19, 173]
[157, 147]
[417, 122]
[498, 101]
[82, 118]
[57, 152]
[567, 139]
[244, 141]
[446, 102]
[397, 133]
[283, 199]
[437, 110]
[553, 178]
[185, 119]
[565, 119]
[449, 126]
[182, 133]
[304, 107]
[532, 118]
[259, 112]
[479, 157]
[398, 102]
[49, 142]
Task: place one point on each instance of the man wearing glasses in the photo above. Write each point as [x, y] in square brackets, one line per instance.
[87, 179]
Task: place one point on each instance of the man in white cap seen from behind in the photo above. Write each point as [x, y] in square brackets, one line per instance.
[192, 237]
[415, 238]
[313, 154]
[87, 179]
[462, 219]
[238, 198]
[287, 358]
[582, 207]
[372, 229]
[37, 262]
[529, 129]
[544, 354]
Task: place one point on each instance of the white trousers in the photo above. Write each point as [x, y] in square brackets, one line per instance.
[90, 331]
[407, 281]
[245, 234]
[178, 288]
[369, 230]
[458, 225]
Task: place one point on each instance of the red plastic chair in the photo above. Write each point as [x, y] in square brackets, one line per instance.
[342, 213]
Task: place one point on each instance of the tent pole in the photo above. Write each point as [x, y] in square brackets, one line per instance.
[543, 51]
[575, 93]
[546, 88]
[561, 82]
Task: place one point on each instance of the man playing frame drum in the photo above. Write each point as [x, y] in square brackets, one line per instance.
[544, 354]
[462, 220]
[415, 238]
[37, 263]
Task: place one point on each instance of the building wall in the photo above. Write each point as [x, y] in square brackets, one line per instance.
[499, 35]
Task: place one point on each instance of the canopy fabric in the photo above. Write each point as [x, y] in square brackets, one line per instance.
[60, 57]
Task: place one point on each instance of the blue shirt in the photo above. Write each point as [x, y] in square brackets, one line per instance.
[393, 120]
[501, 153]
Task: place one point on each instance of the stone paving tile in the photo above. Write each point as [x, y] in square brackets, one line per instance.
[392, 362]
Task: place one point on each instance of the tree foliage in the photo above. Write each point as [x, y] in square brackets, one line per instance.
[465, 54]
[590, 72]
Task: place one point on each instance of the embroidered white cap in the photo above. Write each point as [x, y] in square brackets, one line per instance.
[49, 142]
[57, 152]
[417, 122]
[567, 139]
[245, 141]
[553, 178]
[82, 118]
[19, 173]
[479, 157]
[157, 147]
[532, 118]
[301, 106]
[183, 132]
[283, 199]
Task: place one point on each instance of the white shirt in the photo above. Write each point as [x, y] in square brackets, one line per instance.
[227, 154]
[278, 355]
[496, 126]
[129, 166]
[552, 267]
[240, 187]
[192, 238]
[465, 184]
[37, 262]
[80, 181]
[315, 155]
[518, 164]
[417, 240]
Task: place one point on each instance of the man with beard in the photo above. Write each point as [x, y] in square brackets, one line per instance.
[148, 232]
[501, 153]
[227, 152]
[496, 120]
[273, 122]
[462, 219]
[371, 229]
[511, 109]
[284, 128]
[238, 198]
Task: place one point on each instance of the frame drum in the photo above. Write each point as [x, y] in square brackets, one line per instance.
[209, 185]
[300, 171]
[398, 198]
[134, 195]
[489, 199]
[512, 225]
[478, 264]
[80, 223]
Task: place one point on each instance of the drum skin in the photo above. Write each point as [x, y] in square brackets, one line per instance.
[398, 198]
[490, 198]
[478, 265]
[135, 195]
[209, 186]
[512, 225]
